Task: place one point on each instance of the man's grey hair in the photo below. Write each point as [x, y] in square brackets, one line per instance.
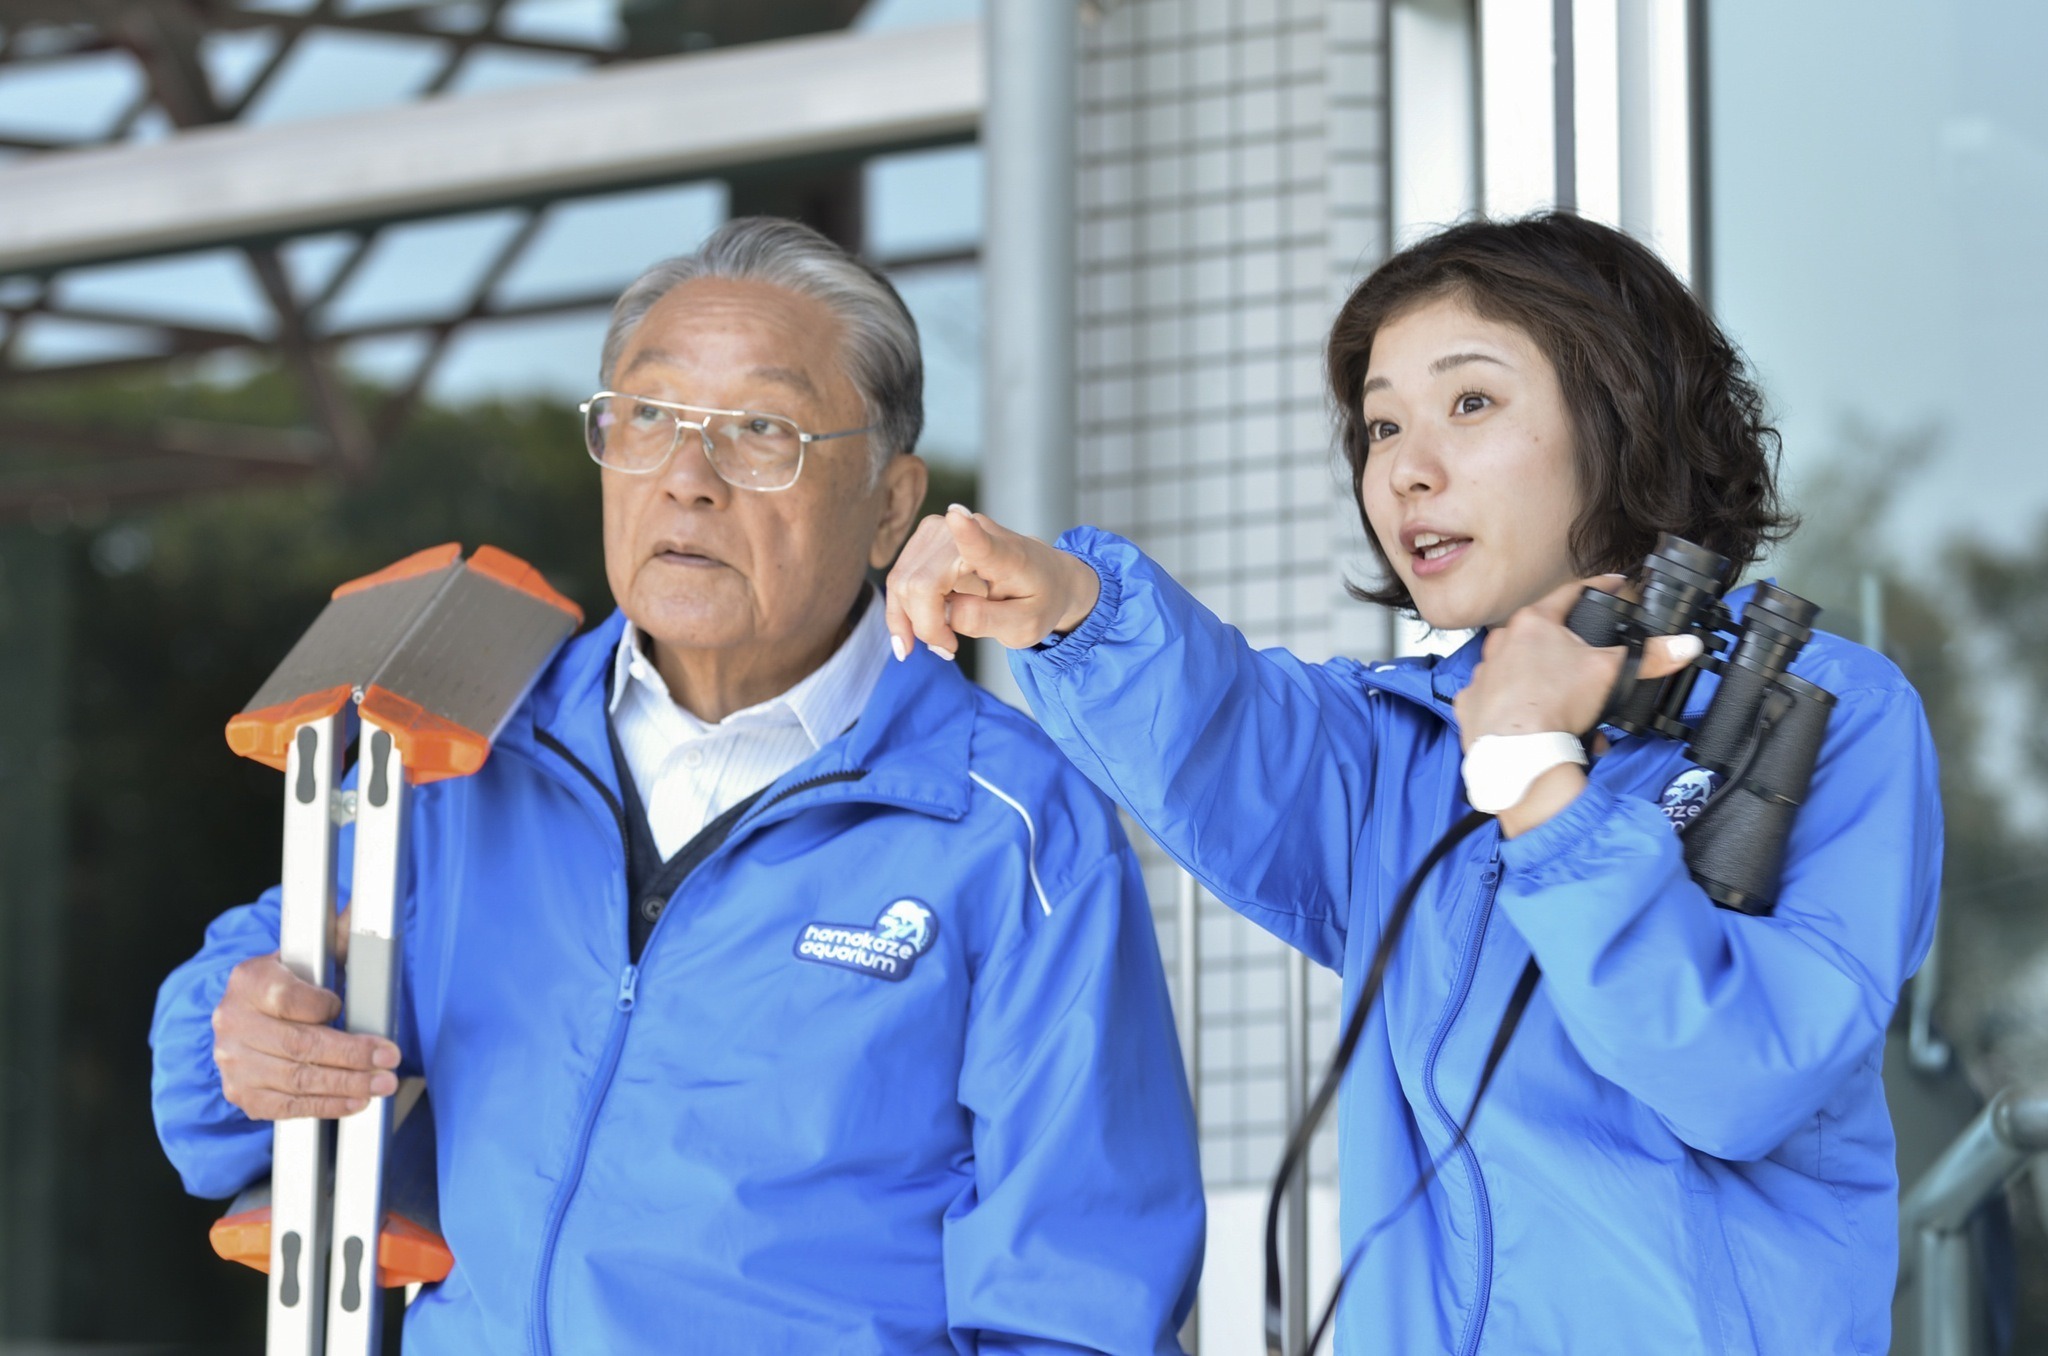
[881, 350]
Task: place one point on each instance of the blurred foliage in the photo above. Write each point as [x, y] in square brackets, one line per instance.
[1970, 631]
[180, 612]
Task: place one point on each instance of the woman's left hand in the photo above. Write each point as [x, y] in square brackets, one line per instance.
[1535, 676]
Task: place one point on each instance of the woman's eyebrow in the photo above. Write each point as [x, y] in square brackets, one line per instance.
[1436, 369]
[1451, 360]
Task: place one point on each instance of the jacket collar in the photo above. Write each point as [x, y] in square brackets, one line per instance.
[1429, 681]
[911, 741]
[823, 702]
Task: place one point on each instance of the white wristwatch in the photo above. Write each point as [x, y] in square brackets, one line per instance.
[1499, 769]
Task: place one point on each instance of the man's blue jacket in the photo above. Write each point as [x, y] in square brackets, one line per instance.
[1686, 1148]
[797, 1125]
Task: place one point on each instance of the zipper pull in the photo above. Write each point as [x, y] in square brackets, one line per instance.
[629, 981]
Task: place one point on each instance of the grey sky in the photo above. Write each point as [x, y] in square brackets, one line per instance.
[1880, 181]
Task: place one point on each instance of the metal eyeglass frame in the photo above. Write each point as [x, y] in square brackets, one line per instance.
[804, 440]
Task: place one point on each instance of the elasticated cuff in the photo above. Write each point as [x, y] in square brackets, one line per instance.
[1558, 849]
[1062, 653]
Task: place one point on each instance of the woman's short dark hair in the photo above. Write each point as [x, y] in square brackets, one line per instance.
[1669, 432]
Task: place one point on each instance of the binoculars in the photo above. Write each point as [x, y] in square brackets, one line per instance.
[1761, 731]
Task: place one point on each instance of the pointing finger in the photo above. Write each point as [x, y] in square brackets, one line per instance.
[975, 543]
[917, 587]
[895, 615]
[927, 583]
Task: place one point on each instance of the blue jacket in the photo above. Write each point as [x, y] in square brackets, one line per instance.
[762, 1138]
[1686, 1148]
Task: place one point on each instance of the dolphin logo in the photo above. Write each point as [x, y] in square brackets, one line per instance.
[906, 921]
[1686, 795]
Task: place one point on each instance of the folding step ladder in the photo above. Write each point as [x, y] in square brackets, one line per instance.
[432, 654]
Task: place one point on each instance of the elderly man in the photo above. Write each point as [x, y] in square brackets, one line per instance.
[773, 997]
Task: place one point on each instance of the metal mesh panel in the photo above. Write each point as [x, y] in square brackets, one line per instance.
[1232, 163]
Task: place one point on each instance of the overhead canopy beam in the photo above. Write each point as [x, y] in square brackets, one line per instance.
[836, 94]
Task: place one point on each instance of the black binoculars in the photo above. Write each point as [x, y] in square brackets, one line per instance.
[1761, 730]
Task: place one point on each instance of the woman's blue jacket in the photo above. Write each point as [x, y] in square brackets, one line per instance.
[757, 1139]
[1686, 1148]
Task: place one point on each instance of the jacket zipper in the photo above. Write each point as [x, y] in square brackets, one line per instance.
[615, 1040]
[558, 1209]
[608, 1063]
[1489, 882]
[822, 779]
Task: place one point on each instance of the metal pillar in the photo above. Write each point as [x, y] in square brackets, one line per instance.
[1948, 1294]
[1188, 922]
[1433, 87]
[1294, 1243]
[1592, 105]
[1027, 460]
[1925, 1049]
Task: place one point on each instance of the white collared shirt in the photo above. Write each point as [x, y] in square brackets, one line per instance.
[690, 771]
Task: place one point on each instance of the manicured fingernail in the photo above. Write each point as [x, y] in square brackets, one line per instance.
[385, 1057]
[900, 648]
[1685, 648]
[946, 655]
[960, 508]
[384, 1084]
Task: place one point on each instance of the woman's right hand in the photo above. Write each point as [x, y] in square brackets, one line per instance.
[964, 574]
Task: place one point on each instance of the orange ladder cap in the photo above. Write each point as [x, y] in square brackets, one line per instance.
[434, 747]
[407, 1253]
[266, 735]
[418, 563]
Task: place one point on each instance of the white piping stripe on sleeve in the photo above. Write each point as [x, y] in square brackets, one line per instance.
[1030, 830]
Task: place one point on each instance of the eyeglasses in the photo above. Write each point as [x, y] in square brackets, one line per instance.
[748, 449]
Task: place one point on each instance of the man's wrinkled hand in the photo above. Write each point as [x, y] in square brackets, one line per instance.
[278, 1057]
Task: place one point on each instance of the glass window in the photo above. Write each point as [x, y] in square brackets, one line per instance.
[1879, 201]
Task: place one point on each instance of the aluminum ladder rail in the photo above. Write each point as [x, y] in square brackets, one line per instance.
[432, 654]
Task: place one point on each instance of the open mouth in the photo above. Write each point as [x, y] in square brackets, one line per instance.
[1434, 552]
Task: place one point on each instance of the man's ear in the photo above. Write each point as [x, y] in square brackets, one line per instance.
[904, 481]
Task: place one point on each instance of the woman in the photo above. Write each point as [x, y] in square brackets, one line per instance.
[1687, 1148]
